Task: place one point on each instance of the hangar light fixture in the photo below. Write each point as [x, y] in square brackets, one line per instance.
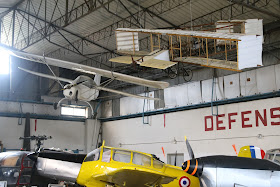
[4, 62]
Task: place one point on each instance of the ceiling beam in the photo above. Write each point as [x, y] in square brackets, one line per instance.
[116, 14]
[271, 27]
[108, 31]
[66, 19]
[10, 9]
[255, 8]
[152, 13]
[56, 28]
[130, 13]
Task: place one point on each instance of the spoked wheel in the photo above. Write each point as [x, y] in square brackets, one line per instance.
[172, 72]
[187, 74]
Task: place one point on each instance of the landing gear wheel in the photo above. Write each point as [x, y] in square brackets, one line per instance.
[172, 72]
[187, 74]
[55, 106]
[76, 97]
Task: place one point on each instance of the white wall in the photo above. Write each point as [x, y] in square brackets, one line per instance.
[258, 81]
[65, 134]
[132, 134]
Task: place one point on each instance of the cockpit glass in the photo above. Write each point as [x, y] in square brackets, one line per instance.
[142, 160]
[27, 162]
[157, 164]
[269, 156]
[121, 156]
[10, 168]
[106, 157]
[93, 155]
[10, 159]
[277, 158]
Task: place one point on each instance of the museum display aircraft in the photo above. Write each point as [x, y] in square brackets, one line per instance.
[166, 47]
[229, 171]
[105, 166]
[83, 88]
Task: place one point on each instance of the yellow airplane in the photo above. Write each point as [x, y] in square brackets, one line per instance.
[103, 167]
[108, 166]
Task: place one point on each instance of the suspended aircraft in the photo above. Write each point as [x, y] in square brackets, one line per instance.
[83, 88]
[232, 171]
[203, 48]
[105, 166]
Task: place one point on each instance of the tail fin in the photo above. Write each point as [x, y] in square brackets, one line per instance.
[251, 152]
[97, 79]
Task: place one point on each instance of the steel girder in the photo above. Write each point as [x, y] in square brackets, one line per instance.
[159, 8]
[131, 21]
[226, 13]
[51, 27]
[10, 9]
[252, 5]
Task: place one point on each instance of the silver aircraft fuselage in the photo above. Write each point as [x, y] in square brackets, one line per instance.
[232, 171]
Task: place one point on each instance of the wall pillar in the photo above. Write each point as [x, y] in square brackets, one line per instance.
[92, 128]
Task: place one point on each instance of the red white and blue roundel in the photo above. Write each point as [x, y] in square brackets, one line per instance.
[184, 182]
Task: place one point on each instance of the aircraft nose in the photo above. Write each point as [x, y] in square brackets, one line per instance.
[69, 93]
[193, 167]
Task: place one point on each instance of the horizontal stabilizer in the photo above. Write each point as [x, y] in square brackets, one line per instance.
[122, 59]
[158, 59]
[158, 64]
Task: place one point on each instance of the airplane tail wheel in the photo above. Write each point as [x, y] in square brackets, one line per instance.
[187, 74]
[55, 106]
[172, 72]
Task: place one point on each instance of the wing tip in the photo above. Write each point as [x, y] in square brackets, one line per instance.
[163, 85]
[23, 69]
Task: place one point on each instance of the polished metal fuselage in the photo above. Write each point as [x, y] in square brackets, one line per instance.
[234, 177]
[57, 169]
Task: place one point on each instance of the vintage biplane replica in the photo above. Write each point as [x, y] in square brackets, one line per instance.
[223, 48]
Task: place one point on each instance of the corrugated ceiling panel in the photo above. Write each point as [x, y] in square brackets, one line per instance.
[101, 19]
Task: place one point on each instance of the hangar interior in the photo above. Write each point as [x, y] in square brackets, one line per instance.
[214, 108]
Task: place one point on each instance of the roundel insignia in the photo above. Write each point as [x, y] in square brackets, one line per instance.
[184, 182]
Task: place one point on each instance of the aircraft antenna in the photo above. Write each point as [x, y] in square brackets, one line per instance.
[175, 162]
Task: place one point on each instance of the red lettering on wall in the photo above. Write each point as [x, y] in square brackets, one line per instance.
[205, 122]
[244, 119]
[263, 119]
[231, 120]
[220, 122]
[275, 116]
